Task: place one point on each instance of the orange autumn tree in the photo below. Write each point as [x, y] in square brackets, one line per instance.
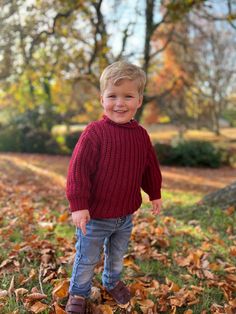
[174, 73]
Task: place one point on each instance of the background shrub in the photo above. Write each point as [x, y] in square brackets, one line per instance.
[27, 140]
[71, 139]
[9, 140]
[190, 154]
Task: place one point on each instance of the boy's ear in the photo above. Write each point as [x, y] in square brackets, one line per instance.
[140, 101]
[101, 99]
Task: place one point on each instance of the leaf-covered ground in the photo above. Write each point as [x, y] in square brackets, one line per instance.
[183, 261]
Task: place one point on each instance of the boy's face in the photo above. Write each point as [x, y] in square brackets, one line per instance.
[120, 102]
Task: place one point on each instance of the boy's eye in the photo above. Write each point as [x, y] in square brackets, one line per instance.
[112, 96]
[129, 96]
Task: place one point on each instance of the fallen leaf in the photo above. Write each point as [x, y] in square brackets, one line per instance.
[19, 292]
[58, 309]
[95, 294]
[3, 293]
[233, 303]
[63, 217]
[38, 307]
[61, 289]
[146, 303]
[32, 274]
[231, 277]
[230, 210]
[36, 296]
[232, 250]
[105, 309]
[174, 287]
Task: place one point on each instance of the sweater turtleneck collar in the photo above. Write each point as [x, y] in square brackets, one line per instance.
[131, 124]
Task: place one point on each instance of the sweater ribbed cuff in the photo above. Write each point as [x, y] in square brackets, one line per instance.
[78, 204]
[155, 196]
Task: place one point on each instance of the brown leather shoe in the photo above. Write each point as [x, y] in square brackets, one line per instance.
[76, 305]
[120, 293]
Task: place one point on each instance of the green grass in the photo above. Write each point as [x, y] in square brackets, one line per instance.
[188, 227]
[192, 226]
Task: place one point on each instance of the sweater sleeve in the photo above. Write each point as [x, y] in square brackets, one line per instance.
[81, 168]
[152, 178]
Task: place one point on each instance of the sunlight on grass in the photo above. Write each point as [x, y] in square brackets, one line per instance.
[57, 178]
[186, 198]
[166, 134]
[65, 231]
[170, 198]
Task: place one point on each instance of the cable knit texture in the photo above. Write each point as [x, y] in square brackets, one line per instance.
[110, 164]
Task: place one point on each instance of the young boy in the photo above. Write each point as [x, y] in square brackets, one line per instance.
[111, 162]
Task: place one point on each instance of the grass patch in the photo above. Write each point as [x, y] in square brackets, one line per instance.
[65, 231]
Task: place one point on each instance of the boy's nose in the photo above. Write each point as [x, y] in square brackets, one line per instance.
[120, 101]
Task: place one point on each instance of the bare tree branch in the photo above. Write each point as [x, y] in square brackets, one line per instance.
[58, 16]
[169, 40]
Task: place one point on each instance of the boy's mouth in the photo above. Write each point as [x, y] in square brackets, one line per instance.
[120, 111]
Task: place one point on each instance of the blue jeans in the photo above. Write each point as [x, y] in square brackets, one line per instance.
[114, 234]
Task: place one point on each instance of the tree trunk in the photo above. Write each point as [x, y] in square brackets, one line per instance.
[223, 197]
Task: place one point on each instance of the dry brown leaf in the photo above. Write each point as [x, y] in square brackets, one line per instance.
[49, 277]
[182, 261]
[186, 277]
[47, 225]
[38, 307]
[214, 266]
[128, 262]
[46, 258]
[199, 289]
[95, 294]
[232, 250]
[230, 210]
[231, 277]
[174, 287]
[228, 310]
[63, 217]
[208, 274]
[19, 292]
[177, 301]
[35, 290]
[155, 284]
[32, 274]
[105, 309]
[146, 303]
[188, 312]
[231, 269]
[58, 309]
[5, 262]
[36, 296]
[206, 246]
[138, 290]
[3, 294]
[61, 289]
[173, 310]
[196, 301]
[233, 303]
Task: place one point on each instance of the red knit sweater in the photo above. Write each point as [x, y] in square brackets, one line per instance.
[110, 164]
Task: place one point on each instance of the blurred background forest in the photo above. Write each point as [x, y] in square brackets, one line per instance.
[53, 52]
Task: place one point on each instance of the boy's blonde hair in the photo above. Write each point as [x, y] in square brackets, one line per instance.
[122, 70]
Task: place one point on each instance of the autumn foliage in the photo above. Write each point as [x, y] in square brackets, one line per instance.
[173, 265]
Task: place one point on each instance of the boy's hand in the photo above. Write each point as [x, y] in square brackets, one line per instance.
[156, 206]
[80, 219]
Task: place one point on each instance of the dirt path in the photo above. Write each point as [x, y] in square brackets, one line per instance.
[186, 179]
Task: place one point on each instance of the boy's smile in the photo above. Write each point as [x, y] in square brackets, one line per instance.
[120, 102]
